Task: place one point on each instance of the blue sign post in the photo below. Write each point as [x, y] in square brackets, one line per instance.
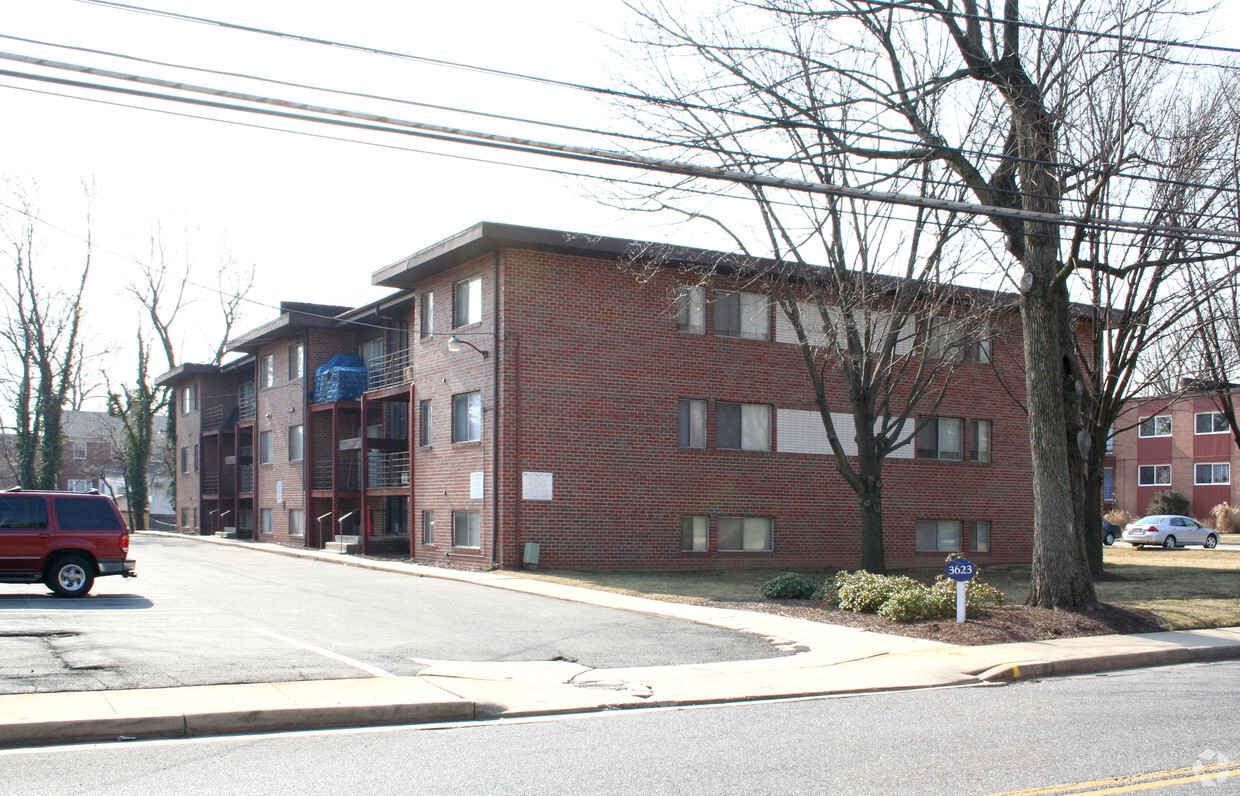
[960, 570]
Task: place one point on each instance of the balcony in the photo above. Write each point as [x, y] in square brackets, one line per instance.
[247, 408]
[387, 470]
[348, 473]
[246, 473]
[215, 418]
[389, 370]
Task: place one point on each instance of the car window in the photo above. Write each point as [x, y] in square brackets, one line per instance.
[23, 511]
[86, 514]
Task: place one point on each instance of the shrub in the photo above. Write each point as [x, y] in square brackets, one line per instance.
[979, 598]
[909, 604]
[828, 592]
[789, 586]
[1168, 501]
[1119, 517]
[1226, 518]
[864, 592]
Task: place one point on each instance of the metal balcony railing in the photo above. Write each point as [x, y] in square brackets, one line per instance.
[246, 479]
[215, 418]
[247, 408]
[389, 370]
[387, 470]
[209, 483]
[348, 473]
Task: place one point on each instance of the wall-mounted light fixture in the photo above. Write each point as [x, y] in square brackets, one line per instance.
[455, 343]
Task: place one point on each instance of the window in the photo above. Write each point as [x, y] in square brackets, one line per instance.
[428, 528]
[745, 315]
[1159, 426]
[370, 350]
[980, 350]
[264, 521]
[1212, 474]
[264, 447]
[691, 309]
[267, 371]
[941, 536]
[296, 522]
[941, 438]
[979, 536]
[979, 440]
[466, 529]
[694, 531]
[196, 458]
[426, 315]
[1108, 484]
[185, 519]
[745, 534]
[692, 424]
[23, 512]
[1210, 423]
[1154, 475]
[296, 443]
[467, 417]
[424, 422]
[79, 450]
[296, 361]
[467, 302]
[189, 399]
[185, 460]
[945, 338]
[742, 426]
[77, 485]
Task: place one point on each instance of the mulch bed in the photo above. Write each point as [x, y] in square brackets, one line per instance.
[1001, 625]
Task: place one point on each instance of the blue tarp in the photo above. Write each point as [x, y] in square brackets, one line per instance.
[341, 378]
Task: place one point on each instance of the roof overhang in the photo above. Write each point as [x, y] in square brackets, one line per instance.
[182, 372]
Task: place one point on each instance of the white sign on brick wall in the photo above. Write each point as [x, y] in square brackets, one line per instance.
[475, 485]
[537, 486]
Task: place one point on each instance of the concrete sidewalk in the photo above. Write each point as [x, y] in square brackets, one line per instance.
[825, 659]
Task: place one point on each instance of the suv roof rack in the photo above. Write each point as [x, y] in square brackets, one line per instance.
[17, 488]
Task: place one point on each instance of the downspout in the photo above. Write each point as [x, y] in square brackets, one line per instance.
[495, 424]
[411, 447]
[307, 437]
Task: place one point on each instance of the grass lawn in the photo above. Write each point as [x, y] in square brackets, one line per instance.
[1189, 588]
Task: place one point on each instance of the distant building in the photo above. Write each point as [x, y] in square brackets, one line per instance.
[1180, 442]
[94, 459]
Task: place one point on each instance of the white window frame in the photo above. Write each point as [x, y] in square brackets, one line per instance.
[77, 485]
[1213, 473]
[428, 528]
[265, 448]
[264, 521]
[1154, 426]
[694, 533]
[691, 309]
[267, 371]
[945, 531]
[296, 443]
[979, 529]
[753, 315]
[425, 423]
[980, 440]
[937, 423]
[467, 302]
[1154, 470]
[189, 399]
[1215, 417]
[470, 428]
[80, 450]
[296, 361]
[470, 524]
[757, 534]
[1108, 483]
[755, 426]
[691, 423]
[296, 522]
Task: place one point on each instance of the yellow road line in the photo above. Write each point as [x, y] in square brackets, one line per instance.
[1136, 782]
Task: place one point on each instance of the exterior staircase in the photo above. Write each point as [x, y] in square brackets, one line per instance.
[344, 544]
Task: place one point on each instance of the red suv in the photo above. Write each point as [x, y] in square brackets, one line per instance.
[64, 539]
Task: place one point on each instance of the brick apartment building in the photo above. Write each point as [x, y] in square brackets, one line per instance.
[579, 417]
[1180, 442]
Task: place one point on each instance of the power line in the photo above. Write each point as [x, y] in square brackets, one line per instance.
[335, 116]
[630, 95]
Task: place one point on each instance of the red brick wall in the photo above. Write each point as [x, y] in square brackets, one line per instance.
[279, 408]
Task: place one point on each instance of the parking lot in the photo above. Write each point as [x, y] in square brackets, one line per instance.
[202, 613]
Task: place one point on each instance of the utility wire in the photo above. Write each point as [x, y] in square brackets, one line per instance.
[630, 95]
[325, 115]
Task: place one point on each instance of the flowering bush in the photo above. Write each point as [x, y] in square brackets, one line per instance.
[903, 599]
[864, 592]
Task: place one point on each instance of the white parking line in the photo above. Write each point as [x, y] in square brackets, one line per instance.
[345, 659]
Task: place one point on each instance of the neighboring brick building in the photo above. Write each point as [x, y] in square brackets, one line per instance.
[1181, 442]
[590, 420]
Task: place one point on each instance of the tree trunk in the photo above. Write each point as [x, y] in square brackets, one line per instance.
[1091, 522]
[873, 558]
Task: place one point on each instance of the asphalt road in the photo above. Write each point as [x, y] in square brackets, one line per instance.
[201, 613]
[1151, 724]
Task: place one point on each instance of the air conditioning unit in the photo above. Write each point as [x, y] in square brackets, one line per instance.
[407, 373]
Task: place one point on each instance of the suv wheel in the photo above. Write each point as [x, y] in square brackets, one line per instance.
[71, 576]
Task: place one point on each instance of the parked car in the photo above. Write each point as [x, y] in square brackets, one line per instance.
[1110, 532]
[62, 539]
[1169, 530]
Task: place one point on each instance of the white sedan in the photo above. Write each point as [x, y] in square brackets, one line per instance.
[1169, 530]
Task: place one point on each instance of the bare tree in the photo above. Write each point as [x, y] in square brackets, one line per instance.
[42, 332]
[987, 94]
[137, 408]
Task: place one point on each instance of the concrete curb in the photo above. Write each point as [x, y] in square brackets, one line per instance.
[1112, 662]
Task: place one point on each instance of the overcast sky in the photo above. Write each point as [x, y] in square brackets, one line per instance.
[316, 216]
